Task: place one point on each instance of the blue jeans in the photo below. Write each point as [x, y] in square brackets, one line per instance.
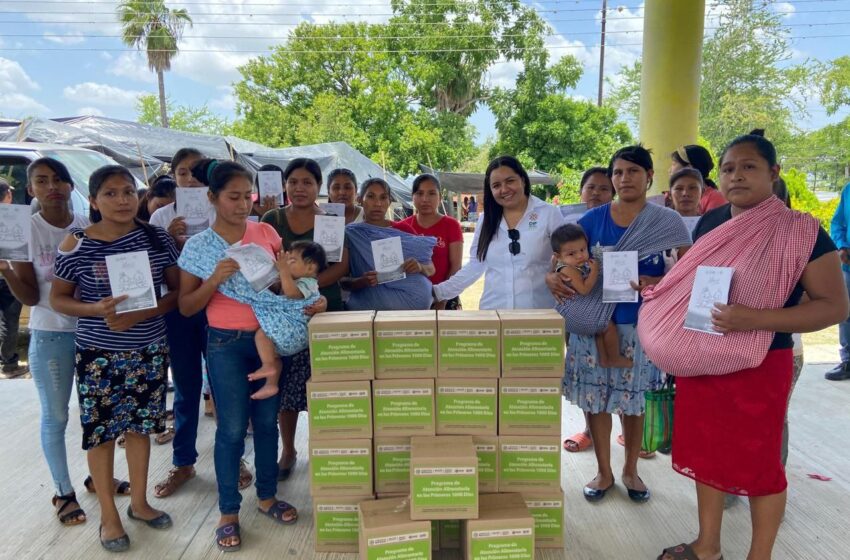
[231, 356]
[187, 341]
[844, 327]
[51, 361]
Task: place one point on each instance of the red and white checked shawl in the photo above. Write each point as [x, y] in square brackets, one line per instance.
[769, 246]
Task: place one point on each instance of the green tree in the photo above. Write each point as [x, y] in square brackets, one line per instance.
[152, 25]
[835, 91]
[200, 120]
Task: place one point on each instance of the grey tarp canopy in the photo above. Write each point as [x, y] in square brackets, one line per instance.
[473, 183]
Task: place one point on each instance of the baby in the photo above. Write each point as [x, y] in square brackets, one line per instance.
[575, 265]
[298, 269]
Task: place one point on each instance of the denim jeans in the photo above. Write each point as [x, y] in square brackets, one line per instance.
[187, 341]
[51, 361]
[231, 356]
[844, 327]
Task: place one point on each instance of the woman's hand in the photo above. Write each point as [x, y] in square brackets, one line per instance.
[319, 306]
[269, 203]
[177, 227]
[412, 266]
[559, 287]
[123, 322]
[368, 280]
[645, 282]
[224, 270]
[734, 318]
[106, 306]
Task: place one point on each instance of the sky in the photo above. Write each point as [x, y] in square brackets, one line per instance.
[62, 58]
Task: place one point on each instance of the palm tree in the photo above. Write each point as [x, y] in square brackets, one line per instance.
[152, 25]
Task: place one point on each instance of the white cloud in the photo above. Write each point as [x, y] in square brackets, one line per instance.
[90, 111]
[67, 39]
[15, 87]
[787, 9]
[13, 77]
[20, 105]
[101, 95]
[133, 66]
[226, 102]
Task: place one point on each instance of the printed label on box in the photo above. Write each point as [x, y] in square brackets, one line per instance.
[337, 523]
[403, 406]
[445, 486]
[341, 466]
[530, 462]
[503, 547]
[530, 405]
[548, 517]
[486, 463]
[392, 463]
[413, 546]
[336, 409]
[405, 348]
[524, 347]
[346, 350]
[466, 405]
[469, 347]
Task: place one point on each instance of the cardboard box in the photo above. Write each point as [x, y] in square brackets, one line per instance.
[467, 406]
[341, 467]
[530, 406]
[388, 533]
[547, 509]
[532, 343]
[435, 536]
[487, 450]
[529, 463]
[504, 530]
[337, 522]
[339, 410]
[341, 346]
[469, 343]
[443, 478]
[392, 465]
[403, 407]
[405, 344]
[449, 534]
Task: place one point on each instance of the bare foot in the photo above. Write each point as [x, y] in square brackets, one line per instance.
[266, 371]
[617, 362]
[146, 512]
[601, 482]
[110, 531]
[231, 541]
[268, 390]
[633, 482]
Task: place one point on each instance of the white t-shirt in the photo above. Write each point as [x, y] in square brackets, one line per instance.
[798, 344]
[45, 241]
[163, 217]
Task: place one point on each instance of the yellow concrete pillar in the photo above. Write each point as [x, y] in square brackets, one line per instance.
[670, 79]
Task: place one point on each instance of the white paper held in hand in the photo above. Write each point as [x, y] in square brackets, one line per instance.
[389, 259]
[130, 275]
[711, 286]
[270, 184]
[572, 212]
[255, 264]
[329, 232]
[333, 208]
[194, 206]
[15, 232]
[619, 269]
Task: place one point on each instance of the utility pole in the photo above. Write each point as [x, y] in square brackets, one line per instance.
[602, 53]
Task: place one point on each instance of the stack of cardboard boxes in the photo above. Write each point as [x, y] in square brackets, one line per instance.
[465, 415]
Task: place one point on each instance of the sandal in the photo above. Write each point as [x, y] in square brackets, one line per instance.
[227, 531]
[578, 442]
[122, 487]
[75, 516]
[177, 477]
[681, 552]
[278, 510]
[245, 476]
[286, 470]
[643, 453]
[165, 436]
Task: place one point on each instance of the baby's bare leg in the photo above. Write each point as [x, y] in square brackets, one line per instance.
[611, 342]
[270, 370]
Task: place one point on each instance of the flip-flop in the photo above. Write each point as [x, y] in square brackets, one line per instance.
[278, 510]
[227, 531]
[245, 476]
[681, 552]
[580, 441]
[166, 436]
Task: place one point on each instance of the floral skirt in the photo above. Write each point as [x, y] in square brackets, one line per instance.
[121, 391]
[293, 382]
[595, 389]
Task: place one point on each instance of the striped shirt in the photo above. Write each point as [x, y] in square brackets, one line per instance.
[85, 266]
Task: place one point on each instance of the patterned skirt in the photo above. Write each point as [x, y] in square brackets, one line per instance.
[293, 382]
[121, 391]
[595, 389]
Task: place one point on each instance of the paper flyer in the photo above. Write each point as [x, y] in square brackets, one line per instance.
[130, 275]
[15, 232]
[691, 222]
[333, 208]
[270, 184]
[194, 205]
[255, 264]
[619, 269]
[329, 232]
[572, 213]
[711, 286]
[389, 259]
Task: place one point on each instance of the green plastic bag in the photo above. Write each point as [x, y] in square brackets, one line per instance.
[658, 421]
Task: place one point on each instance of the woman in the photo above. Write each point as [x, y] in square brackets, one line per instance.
[121, 357]
[51, 348]
[698, 158]
[295, 222]
[739, 383]
[511, 243]
[268, 203]
[686, 187]
[448, 252]
[206, 283]
[160, 194]
[342, 189]
[627, 224]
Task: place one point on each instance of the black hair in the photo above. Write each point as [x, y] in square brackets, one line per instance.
[421, 179]
[163, 186]
[756, 138]
[311, 253]
[492, 210]
[216, 174]
[342, 172]
[780, 189]
[687, 172]
[636, 154]
[96, 181]
[590, 173]
[697, 157]
[374, 181]
[471, 198]
[55, 165]
[565, 234]
[304, 163]
[183, 154]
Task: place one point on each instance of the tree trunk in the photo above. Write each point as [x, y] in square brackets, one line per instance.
[163, 112]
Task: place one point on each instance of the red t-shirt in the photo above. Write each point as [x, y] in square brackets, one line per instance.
[447, 231]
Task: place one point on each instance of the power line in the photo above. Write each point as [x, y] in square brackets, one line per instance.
[378, 4]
